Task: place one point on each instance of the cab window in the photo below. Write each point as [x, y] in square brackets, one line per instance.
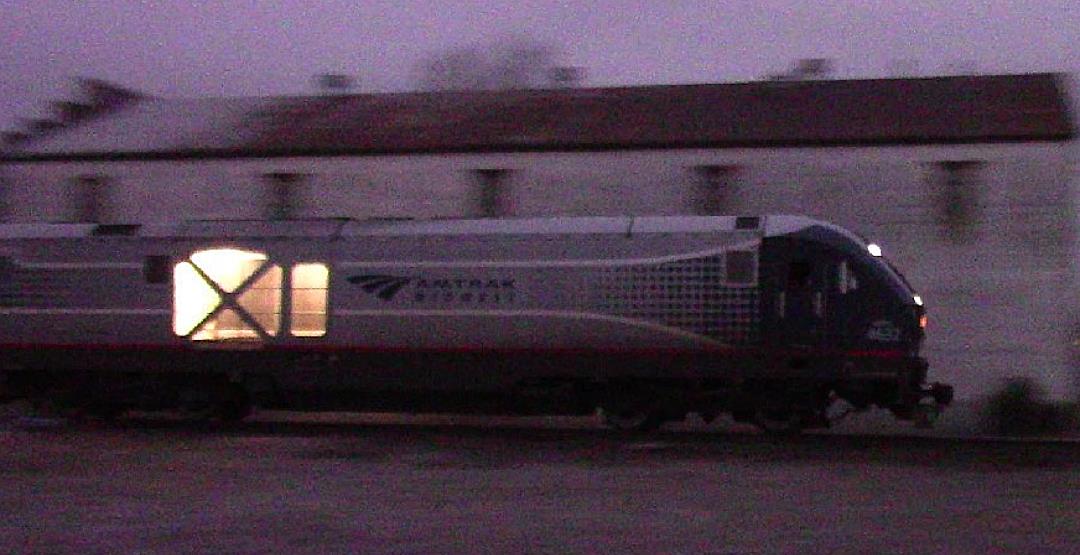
[846, 281]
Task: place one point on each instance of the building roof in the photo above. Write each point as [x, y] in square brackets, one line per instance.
[934, 110]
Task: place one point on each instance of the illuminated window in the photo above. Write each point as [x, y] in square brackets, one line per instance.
[262, 300]
[226, 294]
[193, 299]
[234, 294]
[309, 283]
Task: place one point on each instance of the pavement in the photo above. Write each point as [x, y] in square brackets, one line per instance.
[349, 483]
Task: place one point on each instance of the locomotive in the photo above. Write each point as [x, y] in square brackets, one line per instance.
[770, 319]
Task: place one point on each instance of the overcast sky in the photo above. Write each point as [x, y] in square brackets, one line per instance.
[264, 47]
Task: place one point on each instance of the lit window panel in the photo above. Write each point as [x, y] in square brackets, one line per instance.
[195, 299]
[228, 267]
[262, 300]
[309, 290]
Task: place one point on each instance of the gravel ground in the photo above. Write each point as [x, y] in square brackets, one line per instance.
[391, 484]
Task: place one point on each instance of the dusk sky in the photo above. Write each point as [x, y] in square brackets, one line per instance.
[267, 47]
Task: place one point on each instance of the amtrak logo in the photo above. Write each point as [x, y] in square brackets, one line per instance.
[442, 290]
[383, 286]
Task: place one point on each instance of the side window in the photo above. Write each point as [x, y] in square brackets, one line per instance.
[309, 285]
[226, 294]
[846, 281]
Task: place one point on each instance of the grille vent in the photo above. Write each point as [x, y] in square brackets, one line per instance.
[693, 295]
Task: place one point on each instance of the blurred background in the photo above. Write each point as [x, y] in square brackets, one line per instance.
[943, 131]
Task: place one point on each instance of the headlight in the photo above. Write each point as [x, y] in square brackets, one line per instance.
[874, 249]
[918, 300]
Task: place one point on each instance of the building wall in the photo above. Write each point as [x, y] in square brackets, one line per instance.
[994, 256]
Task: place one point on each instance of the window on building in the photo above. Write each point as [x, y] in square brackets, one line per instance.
[309, 284]
[491, 193]
[956, 186]
[713, 191]
[283, 195]
[88, 198]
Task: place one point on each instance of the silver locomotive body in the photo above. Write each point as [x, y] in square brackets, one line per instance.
[764, 317]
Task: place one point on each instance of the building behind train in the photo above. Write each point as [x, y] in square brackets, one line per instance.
[966, 181]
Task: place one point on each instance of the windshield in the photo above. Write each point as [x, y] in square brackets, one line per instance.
[858, 248]
[898, 275]
[863, 244]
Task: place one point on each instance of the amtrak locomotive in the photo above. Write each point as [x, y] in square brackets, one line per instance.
[771, 319]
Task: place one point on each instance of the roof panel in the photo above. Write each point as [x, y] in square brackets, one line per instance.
[227, 229]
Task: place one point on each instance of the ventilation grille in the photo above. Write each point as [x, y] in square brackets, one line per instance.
[692, 295]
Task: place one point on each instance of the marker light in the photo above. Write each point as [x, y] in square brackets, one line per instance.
[918, 300]
[874, 249]
[922, 321]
